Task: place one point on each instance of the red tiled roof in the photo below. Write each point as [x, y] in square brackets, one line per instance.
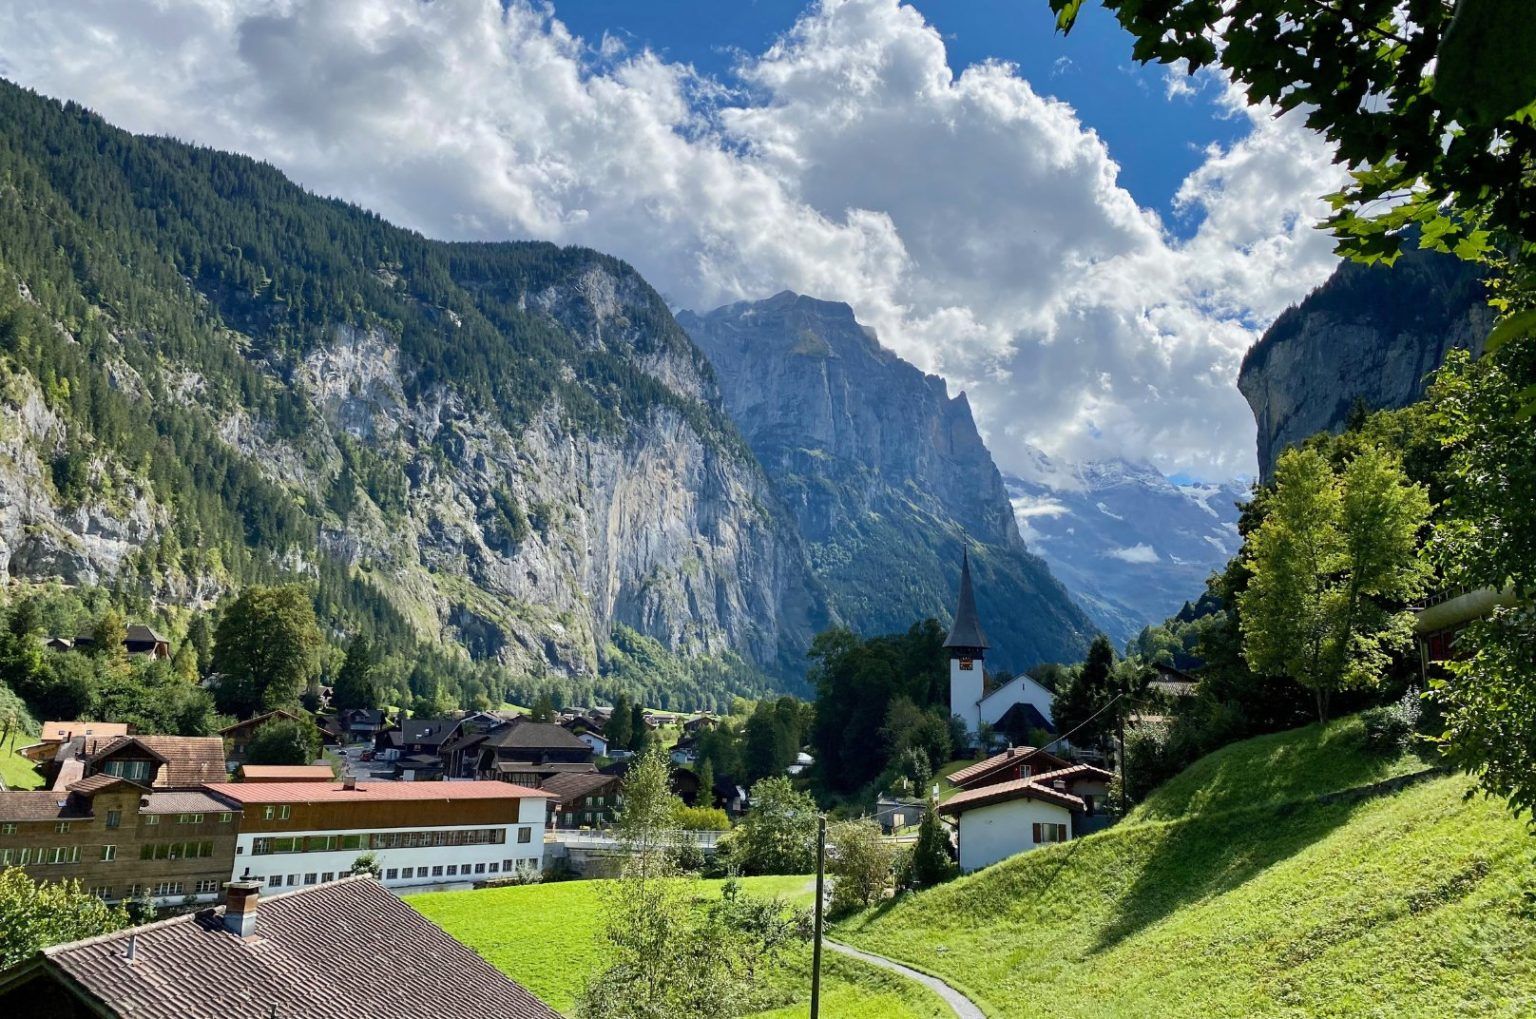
[318, 792]
[344, 950]
[1013, 755]
[69, 730]
[1019, 788]
[287, 773]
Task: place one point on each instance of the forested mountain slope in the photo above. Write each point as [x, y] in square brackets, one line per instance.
[211, 377]
[1272, 880]
[886, 476]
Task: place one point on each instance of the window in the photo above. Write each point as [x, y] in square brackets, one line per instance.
[275, 881]
[7, 829]
[293, 879]
[226, 817]
[453, 870]
[61, 827]
[525, 835]
[1046, 832]
[495, 867]
[133, 771]
[408, 873]
[108, 854]
[114, 818]
[101, 891]
[479, 868]
[311, 878]
[151, 818]
[329, 875]
[283, 812]
[392, 874]
[166, 888]
[190, 819]
[437, 872]
[134, 891]
[207, 887]
[268, 812]
[508, 864]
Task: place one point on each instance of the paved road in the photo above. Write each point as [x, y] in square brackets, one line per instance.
[962, 1006]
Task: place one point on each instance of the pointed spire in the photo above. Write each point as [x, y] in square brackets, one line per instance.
[967, 632]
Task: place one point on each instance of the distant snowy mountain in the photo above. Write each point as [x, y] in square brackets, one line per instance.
[1129, 543]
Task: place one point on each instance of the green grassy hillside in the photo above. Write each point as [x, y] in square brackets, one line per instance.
[1233, 892]
[548, 938]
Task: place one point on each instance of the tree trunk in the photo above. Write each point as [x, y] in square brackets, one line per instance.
[1322, 706]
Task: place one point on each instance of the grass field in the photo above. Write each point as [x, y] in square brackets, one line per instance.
[16, 771]
[1231, 892]
[548, 938]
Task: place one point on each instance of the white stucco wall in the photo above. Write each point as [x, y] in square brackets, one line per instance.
[1020, 690]
[965, 687]
[1000, 830]
[300, 865]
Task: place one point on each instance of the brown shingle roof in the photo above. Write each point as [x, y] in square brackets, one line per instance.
[190, 761]
[568, 788]
[91, 786]
[344, 950]
[258, 720]
[1013, 755]
[535, 735]
[186, 801]
[38, 805]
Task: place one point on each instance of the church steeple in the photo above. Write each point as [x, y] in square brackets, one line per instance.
[966, 637]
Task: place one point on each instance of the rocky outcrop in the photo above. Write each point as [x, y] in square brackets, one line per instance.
[885, 474]
[1369, 336]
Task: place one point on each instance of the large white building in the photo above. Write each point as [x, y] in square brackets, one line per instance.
[968, 696]
[302, 833]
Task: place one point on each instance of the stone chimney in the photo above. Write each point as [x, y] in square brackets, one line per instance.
[240, 900]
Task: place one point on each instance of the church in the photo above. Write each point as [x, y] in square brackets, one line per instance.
[1020, 705]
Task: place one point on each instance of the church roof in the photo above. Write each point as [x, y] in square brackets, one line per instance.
[967, 631]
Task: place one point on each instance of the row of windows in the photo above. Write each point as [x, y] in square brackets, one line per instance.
[159, 889]
[175, 850]
[268, 846]
[114, 819]
[42, 855]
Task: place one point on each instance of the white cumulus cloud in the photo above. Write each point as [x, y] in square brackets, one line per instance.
[976, 224]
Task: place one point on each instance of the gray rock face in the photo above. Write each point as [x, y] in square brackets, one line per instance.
[1369, 335]
[885, 473]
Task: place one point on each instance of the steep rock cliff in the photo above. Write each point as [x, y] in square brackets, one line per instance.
[885, 474]
[212, 378]
[1369, 335]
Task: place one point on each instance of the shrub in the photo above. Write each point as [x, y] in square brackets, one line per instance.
[861, 865]
[1389, 729]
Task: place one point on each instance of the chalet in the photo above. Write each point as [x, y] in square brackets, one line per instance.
[418, 736]
[56, 735]
[535, 775]
[160, 762]
[121, 840]
[701, 723]
[1010, 765]
[285, 773]
[361, 723]
[685, 751]
[1172, 682]
[534, 742]
[297, 833]
[594, 740]
[419, 768]
[583, 800]
[998, 819]
[138, 639]
[343, 950]
[237, 737]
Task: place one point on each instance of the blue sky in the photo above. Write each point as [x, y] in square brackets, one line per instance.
[1011, 227]
[1157, 140]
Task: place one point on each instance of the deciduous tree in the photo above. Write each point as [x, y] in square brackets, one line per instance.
[265, 649]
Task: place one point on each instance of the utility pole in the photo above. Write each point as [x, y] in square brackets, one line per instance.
[821, 871]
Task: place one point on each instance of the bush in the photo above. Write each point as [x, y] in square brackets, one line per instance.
[688, 858]
[1390, 728]
[861, 864]
[702, 819]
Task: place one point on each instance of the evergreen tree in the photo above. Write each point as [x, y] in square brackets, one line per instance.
[619, 729]
[706, 773]
[640, 738]
[932, 861]
[355, 685]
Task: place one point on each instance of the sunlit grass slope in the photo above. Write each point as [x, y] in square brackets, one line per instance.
[1233, 892]
[548, 938]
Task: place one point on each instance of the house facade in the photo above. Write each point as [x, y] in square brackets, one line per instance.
[121, 840]
[998, 817]
[294, 834]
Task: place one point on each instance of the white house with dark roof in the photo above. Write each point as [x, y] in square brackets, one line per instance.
[1020, 800]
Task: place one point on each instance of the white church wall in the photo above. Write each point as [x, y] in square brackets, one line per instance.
[965, 687]
[1019, 690]
[1000, 830]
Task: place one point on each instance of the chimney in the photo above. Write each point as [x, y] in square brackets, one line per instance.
[349, 782]
[240, 899]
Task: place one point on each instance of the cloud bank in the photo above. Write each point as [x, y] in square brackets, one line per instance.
[975, 223]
